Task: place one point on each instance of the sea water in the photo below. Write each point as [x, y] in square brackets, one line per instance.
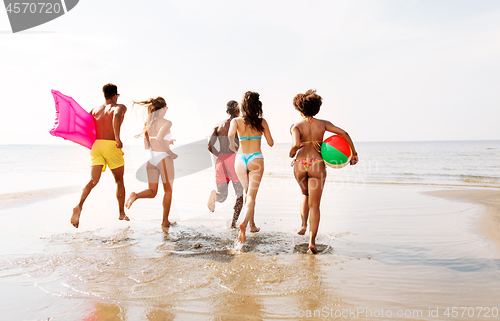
[384, 245]
[450, 163]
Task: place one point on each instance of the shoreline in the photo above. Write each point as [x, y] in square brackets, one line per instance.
[488, 224]
[9, 200]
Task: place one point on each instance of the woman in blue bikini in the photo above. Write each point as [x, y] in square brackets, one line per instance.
[249, 162]
[157, 138]
[308, 166]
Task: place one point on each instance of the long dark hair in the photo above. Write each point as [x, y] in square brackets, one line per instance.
[251, 107]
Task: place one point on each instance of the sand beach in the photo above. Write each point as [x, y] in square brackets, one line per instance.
[405, 249]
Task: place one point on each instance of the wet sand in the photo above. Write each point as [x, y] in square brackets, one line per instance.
[397, 248]
[488, 224]
[23, 198]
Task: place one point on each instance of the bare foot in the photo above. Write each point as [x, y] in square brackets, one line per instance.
[303, 230]
[312, 248]
[75, 218]
[241, 236]
[123, 217]
[254, 229]
[131, 199]
[211, 201]
[166, 228]
[168, 224]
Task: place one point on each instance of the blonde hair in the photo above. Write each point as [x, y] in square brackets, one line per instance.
[153, 105]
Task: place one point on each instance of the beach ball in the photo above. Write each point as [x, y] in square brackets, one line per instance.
[336, 152]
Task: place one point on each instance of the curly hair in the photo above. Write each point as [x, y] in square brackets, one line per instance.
[251, 108]
[153, 105]
[309, 103]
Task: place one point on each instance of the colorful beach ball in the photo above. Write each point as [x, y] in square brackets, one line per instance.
[336, 151]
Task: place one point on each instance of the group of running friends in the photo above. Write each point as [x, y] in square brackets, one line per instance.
[239, 157]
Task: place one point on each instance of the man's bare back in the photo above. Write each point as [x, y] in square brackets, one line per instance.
[220, 131]
[108, 119]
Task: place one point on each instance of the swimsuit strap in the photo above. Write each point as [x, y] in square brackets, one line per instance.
[317, 145]
[167, 136]
[309, 119]
[250, 137]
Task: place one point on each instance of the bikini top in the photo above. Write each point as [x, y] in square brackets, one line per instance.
[316, 144]
[167, 136]
[250, 137]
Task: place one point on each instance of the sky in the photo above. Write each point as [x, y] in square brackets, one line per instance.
[387, 70]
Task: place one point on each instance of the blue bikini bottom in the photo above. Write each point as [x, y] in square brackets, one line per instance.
[246, 159]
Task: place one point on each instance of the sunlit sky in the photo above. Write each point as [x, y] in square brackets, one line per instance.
[387, 70]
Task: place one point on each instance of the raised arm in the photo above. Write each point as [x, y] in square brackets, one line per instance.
[231, 135]
[339, 131]
[212, 141]
[118, 116]
[267, 133]
[147, 144]
[165, 144]
[296, 144]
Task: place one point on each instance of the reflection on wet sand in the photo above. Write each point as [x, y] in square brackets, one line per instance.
[188, 273]
[263, 286]
[160, 314]
[104, 311]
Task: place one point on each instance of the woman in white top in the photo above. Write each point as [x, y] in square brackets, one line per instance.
[157, 138]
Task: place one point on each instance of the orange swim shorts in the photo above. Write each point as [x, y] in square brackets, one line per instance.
[224, 169]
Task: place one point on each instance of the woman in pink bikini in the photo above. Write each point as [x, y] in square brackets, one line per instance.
[308, 166]
[249, 161]
[157, 138]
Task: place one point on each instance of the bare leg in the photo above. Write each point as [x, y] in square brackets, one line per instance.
[167, 202]
[242, 174]
[256, 169]
[95, 175]
[120, 191]
[301, 178]
[220, 196]
[131, 199]
[211, 201]
[75, 218]
[316, 185]
[304, 213]
[166, 168]
[150, 192]
[222, 192]
[238, 205]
